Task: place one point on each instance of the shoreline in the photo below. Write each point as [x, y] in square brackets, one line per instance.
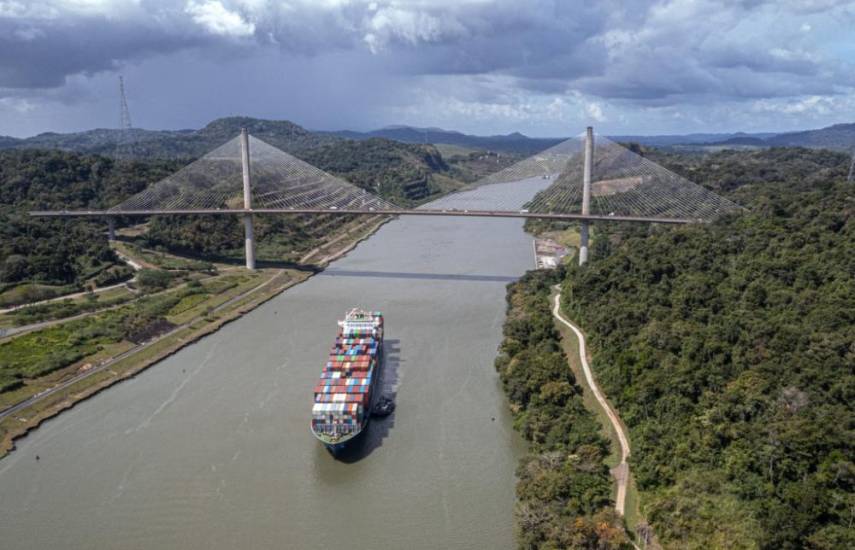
[172, 342]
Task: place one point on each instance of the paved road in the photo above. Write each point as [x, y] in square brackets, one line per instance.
[621, 472]
[12, 331]
[63, 297]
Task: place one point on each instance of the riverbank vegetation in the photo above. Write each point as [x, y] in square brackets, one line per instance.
[36, 354]
[564, 487]
[729, 351]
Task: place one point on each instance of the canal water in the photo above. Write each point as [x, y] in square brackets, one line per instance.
[211, 448]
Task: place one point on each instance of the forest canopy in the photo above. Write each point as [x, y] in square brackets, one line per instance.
[729, 350]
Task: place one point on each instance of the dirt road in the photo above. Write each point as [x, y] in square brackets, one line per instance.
[621, 471]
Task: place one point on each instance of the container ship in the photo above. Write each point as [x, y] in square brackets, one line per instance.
[347, 389]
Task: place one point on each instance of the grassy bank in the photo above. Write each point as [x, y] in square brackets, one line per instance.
[79, 382]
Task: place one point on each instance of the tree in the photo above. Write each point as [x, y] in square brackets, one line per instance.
[15, 268]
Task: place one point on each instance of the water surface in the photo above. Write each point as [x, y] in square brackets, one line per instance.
[211, 448]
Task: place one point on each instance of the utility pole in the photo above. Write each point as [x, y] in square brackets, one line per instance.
[249, 243]
[124, 138]
[125, 115]
[586, 195]
[851, 176]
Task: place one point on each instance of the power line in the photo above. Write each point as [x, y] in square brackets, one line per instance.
[851, 175]
[125, 115]
[124, 136]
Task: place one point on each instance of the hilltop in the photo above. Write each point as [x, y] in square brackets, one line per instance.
[139, 143]
[405, 172]
[294, 139]
[76, 171]
[838, 136]
[511, 143]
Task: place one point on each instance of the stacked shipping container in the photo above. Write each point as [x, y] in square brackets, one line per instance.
[343, 395]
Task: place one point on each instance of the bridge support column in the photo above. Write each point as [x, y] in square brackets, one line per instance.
[586, 195]
[583, 243]
[249, 241]
[249, 233]
[111, 228]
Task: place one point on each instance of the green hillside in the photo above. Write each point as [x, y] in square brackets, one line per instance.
[61, 252]
[729, 351]
[40, 251]
[147, 144]
[838, 136]
[401, 172]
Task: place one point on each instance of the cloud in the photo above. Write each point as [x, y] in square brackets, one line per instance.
[391, 24]
[17, 104]
[654, 50]
[508, 59]
[216, 19]
[594, 111]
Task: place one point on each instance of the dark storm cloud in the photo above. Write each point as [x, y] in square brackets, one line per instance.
[502, 58]
[638, 50]
[697, 82]
[43, 56]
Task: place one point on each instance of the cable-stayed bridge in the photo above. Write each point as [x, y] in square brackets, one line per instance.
[589, 180]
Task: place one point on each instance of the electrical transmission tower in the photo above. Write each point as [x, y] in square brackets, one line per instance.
[124, 140]
[851, 176]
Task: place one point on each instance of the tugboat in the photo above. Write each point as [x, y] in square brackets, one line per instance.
[383, 407]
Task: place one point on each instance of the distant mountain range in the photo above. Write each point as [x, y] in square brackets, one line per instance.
[839, 136]
[293, 138]
[405, 173]
[510, 143]
[174, 143]
[690, 139]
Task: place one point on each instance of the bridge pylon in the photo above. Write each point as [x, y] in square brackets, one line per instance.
[627, 187]
[586, 195]
[249, 233]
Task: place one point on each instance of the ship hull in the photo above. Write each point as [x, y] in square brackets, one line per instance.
[338, 447]
[350, 382]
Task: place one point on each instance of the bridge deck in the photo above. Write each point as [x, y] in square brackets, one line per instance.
[397, 212]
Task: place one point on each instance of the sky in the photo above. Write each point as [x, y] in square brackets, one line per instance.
[540, 67]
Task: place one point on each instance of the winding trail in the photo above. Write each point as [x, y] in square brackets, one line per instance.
[621, 471]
